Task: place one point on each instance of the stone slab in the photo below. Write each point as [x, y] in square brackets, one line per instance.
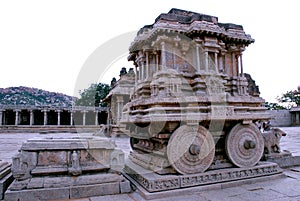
[44, 194]
[285, 162]
[6, 177]
[94, 190]
[152, 185]
[153, 182]
[123, 197]
[72, 187]
[60, 143]
[142, 194]
[4, 183]
[4, 169]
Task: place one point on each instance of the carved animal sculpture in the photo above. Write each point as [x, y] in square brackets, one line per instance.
[272, 140]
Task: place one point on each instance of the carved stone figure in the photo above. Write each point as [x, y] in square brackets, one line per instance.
[272, 140]
[75, 169]
[23, 163]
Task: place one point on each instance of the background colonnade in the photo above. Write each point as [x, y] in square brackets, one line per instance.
[58, 116]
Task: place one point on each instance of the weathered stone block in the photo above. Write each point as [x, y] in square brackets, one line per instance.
[36, 183]
[66, 156]
[57, 182]
[96, 179]
[77, 172]
[5, 181]
[19, 185]
[125, 186]
[37, 194]
[94, 190]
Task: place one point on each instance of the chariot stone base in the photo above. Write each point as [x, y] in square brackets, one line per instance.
[152, 185]
[65, 187]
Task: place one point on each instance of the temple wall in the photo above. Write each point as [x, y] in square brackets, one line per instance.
[280, 117]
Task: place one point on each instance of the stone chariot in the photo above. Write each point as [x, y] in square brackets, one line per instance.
[192, 109]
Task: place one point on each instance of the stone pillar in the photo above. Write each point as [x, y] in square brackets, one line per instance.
[1, 117]
[174, 59]
[198, 64]
[96, 118]
[142, 70]
[136, 75]
[234, 74]
[71, 118]
[156, 61]
[45, 117]
[17, 117]
[31, 118]
[241, 65]
[119, 108]
[139, 73]
[206, 61]
[108, 114]
[216, 62]
[83, 117]
[221, 67]
[147, 66]
[163, 55]
[58, 117]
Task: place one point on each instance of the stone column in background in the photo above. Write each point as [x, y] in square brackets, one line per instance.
[17, 117]
[58, 117]
[31, 118]
[83, 117]
[71, 118]
[45, 117]
[1, 117]
[96, 117]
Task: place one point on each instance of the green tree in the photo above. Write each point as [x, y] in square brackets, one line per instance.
[93, 95]
[292, 97]
[274, 106]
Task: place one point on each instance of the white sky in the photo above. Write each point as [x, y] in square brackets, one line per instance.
[45, 44]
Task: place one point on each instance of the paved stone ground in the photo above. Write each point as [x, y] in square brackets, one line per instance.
[286, 188]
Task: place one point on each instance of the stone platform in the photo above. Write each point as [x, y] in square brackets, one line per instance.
[153, 185]
[65, 187]
[284, 159]
[55, 168]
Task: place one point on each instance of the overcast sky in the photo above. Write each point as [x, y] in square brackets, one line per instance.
[47, 44]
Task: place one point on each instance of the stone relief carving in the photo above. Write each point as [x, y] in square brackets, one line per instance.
[22, 165]
[75, 168]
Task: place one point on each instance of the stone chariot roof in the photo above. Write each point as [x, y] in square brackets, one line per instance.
[190, 23]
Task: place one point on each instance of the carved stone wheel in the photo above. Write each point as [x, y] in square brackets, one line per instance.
[191, 149]
[244, 145]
